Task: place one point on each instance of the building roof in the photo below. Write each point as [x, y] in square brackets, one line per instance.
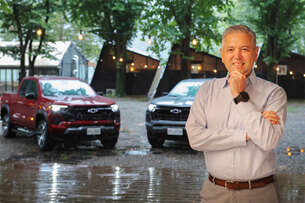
[141, 47]
[60, 48]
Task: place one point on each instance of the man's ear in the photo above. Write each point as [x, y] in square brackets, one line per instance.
[256, 53]
[221, 54]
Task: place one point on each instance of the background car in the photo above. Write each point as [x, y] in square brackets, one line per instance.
[166, 116]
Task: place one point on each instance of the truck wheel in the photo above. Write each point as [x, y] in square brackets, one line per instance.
[155, 142]
[44, 141]
[7, 127]
[109, 143]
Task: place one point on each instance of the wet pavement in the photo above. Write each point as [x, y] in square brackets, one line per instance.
[133, 171]
[29, 181]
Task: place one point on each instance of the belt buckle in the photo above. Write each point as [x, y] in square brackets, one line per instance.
[228, 181]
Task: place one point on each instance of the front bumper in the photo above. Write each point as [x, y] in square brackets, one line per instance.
[160, 129]
[79, 131]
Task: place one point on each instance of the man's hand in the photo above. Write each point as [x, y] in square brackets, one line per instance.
[237, 83]
[272, 117]
[247, 137]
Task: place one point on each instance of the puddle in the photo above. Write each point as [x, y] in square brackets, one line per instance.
[22, 181]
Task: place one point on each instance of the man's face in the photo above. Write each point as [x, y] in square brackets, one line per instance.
[238, 52]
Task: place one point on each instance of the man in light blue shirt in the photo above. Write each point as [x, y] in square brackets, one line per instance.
[238, 121]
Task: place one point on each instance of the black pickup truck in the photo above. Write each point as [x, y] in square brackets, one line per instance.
[166, 116]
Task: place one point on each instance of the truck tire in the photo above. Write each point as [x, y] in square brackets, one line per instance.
[44, 140]
[109, 143]
[7, 127]
[155, 142]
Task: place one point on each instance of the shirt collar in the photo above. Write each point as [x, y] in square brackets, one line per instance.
[251, 80]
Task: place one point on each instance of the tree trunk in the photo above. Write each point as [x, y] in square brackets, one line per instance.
[120, 51]
[120, 79]
[185, 41]
[98, 69]
[185, 58]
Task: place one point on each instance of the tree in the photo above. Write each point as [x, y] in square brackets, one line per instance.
[114, 22]
[63, 30]
[276, 21]
[25, 19]
[178, 22]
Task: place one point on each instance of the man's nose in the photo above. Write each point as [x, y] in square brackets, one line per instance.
[237, 54]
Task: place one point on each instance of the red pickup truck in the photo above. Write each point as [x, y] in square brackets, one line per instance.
[57, 109]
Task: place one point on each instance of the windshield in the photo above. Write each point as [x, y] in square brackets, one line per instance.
[185, 89]
[65, 87]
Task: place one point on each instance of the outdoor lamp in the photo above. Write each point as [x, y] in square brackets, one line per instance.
[195, 41]
[149, 41]
[39, 32]
[80, 36]
[121, 59]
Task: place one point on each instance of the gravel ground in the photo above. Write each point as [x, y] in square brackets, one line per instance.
[133, 149]
[136, 152]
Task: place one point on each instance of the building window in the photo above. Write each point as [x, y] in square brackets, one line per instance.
[196, 68]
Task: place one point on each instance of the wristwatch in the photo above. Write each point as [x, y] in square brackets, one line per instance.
[242, 97]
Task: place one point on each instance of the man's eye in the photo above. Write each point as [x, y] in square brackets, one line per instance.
[229, 50]
[245, 49]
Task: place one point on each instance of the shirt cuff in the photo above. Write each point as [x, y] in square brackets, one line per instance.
[239, 138]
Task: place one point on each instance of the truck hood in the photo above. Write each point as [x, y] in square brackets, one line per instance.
[174, 101]
[81, 100]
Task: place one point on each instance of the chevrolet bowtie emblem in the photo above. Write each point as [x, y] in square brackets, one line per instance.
[93, 110]
[175, 111]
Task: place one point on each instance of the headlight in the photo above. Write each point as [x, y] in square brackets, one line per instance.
[114, 107]
[56, 107]
[151, 107]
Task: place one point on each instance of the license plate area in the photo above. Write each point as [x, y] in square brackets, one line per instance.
[175, 131]
[93, 131]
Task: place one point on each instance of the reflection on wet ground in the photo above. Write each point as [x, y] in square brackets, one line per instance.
[30, 181]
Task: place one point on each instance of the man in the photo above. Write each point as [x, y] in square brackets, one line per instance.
[238, 121]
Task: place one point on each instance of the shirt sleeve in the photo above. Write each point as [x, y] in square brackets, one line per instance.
[265, 135]
[202, 138]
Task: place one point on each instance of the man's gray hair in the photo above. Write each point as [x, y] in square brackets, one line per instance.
[240, 28]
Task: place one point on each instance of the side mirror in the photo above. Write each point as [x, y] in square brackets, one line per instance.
[100, 93]
[30, 95]
[164, 93]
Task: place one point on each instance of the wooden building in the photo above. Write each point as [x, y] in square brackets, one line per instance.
[290, 74]
[140, 70]
[203, 65]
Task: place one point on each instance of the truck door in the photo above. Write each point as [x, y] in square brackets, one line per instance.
[26, 104]
[30, 106]
[17, 110]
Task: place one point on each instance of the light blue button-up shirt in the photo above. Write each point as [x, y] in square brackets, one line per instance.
[218, 126]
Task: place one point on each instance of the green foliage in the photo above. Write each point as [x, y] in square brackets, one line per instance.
[169, 22]
[63, 30]
[4, 6]
[274, 22]
[21, 24]
[113, 21]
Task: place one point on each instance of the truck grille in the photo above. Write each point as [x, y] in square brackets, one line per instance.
[86, 113]
[171, 113]
[81, 113]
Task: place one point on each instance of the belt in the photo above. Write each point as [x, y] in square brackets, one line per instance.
[237, 185]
